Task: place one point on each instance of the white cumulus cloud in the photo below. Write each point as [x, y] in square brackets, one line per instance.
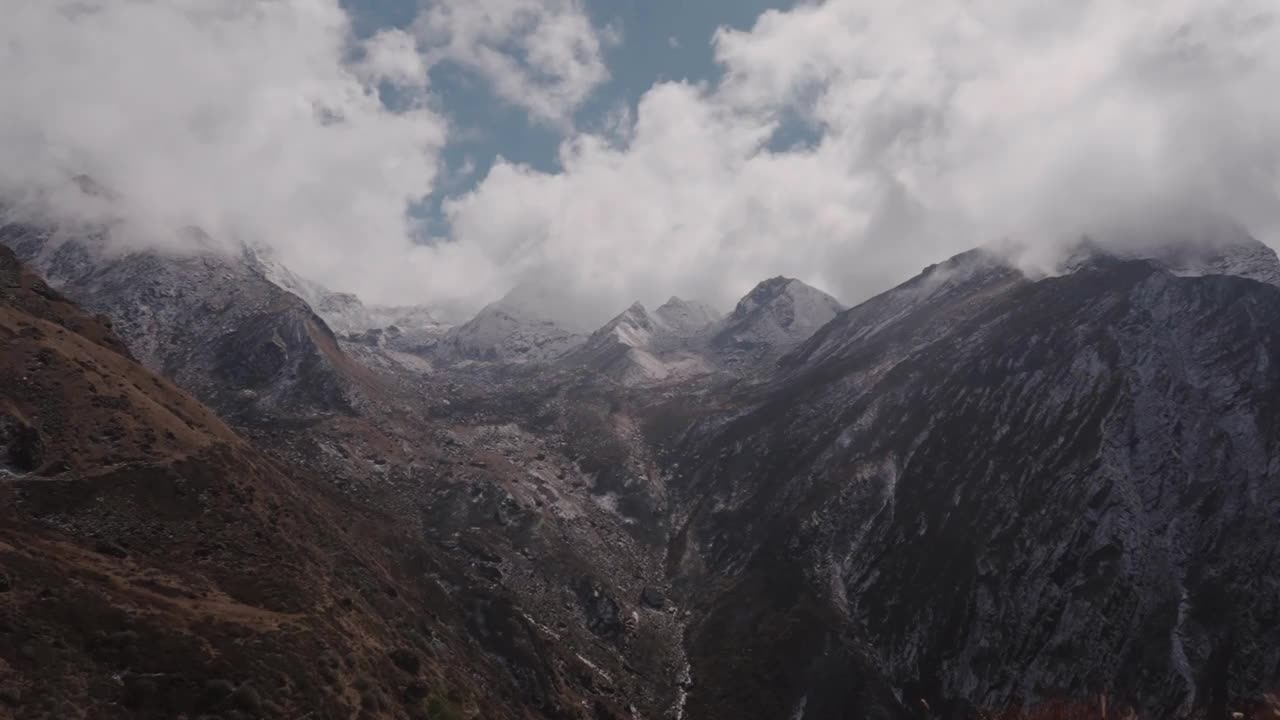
[542, 55]
[244, 118]
[392, 56]
[848, 142]
[904, 133]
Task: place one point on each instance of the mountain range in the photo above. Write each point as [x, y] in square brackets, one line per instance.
[230, 492]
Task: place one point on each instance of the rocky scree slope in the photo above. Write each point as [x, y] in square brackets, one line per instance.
[984, 490]
[534, 490]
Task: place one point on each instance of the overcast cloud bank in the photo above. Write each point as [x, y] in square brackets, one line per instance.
[849, 143]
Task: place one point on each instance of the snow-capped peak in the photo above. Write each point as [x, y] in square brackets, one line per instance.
[779, 311]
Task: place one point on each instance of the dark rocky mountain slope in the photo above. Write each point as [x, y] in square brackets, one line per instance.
[979, 491]
[155, 564]
[213, 322]
[142, 543]
[990, 491]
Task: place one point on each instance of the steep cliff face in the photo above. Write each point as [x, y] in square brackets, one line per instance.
[1001, 490]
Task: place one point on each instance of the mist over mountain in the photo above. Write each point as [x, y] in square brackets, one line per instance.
[844, 143]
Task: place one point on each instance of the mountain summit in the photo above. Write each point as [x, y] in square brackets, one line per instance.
[774, 317]
[639, 347]
[507, 331]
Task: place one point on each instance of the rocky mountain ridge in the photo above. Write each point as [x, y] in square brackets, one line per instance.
[154, 564]
[980, 490]
[990, 489]
[210, 321]
[686, 318]
[774, 317]
[638, 347]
